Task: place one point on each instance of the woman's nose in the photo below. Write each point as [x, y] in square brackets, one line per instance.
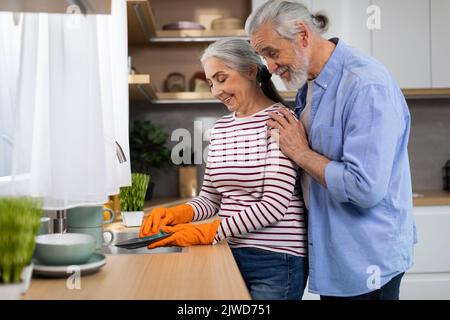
[216, 92]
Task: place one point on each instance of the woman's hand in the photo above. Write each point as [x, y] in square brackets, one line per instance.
[160, 217]
[184, 235]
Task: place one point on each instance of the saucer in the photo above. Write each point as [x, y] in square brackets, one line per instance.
[95, 262]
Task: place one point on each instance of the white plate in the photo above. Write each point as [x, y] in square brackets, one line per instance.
[95, 262]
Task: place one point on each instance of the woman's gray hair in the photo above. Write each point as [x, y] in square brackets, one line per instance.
[238, 54]
[235, 53]
[284, 16]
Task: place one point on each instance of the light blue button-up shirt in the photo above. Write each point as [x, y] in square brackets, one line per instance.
[361, 227]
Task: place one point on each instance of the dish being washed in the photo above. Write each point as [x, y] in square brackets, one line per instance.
[141, 242]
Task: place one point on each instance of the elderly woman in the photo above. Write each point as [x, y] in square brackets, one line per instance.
[248, 182]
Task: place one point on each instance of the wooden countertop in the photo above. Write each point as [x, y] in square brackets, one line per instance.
[432, 198]
[198, 272]
[195, 273]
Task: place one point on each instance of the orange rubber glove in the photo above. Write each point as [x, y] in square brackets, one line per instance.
[185, 235]
[166, 216]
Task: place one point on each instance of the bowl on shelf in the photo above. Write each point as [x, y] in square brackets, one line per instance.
[183, 25]
[64, 248]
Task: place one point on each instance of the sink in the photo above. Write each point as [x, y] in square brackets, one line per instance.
[122, 236]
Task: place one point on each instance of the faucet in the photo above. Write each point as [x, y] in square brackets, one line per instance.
[59, 222]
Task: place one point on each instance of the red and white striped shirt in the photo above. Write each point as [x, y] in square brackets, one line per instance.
[252, 186]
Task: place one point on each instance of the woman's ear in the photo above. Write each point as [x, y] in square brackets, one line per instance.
[253, 72]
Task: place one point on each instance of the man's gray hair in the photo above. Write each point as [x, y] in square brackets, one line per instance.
[284, 16]
[235, 53]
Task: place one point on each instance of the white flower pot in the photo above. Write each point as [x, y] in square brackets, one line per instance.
[133, 218]
[11, 291]
[27, 272]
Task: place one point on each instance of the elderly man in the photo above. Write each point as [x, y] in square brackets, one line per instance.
[351, 141]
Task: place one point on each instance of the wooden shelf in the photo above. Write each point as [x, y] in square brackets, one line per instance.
[141, 22]
[142, 28]
[427, 93]
[431, 198]
[140, 87]
[196, 35]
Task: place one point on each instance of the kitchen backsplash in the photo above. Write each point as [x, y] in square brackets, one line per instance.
[429, 146]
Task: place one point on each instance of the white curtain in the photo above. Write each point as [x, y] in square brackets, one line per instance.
[64, 106]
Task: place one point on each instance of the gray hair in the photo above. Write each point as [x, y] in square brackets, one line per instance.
[235, 53]
[284, 16]
[238, 54]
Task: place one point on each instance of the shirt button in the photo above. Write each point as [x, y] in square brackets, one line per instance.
[325, 86]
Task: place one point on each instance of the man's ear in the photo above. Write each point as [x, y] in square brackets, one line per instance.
[303, 34]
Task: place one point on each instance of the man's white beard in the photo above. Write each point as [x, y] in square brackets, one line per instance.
[299, 74]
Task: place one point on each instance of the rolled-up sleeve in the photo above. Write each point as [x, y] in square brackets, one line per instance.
[371, 132]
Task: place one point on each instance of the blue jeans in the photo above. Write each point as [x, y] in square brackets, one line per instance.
[272, 275]
[390, 291]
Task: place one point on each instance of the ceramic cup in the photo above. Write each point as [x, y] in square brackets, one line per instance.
[88, 217]
[102, 237]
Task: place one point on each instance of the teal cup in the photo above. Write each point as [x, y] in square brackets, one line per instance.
[45, 226]
[88, 217]
[98, 233]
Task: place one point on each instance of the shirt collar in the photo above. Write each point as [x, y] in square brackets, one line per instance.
[333, 65]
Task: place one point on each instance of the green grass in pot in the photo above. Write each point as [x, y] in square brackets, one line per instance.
[19, 224]
[132, 198]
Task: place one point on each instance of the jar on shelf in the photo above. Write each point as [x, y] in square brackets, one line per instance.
[175, 82]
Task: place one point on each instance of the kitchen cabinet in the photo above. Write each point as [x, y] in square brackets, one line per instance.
[440, 43]
[348, 21]
[402, 43]
[430, 276]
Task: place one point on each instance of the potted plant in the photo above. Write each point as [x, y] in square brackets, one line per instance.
[148, 149]
[19, 224]
[132, 200]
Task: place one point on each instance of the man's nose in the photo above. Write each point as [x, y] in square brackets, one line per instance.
[271, 65]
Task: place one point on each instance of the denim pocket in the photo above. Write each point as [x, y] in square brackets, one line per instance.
[331, 143]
